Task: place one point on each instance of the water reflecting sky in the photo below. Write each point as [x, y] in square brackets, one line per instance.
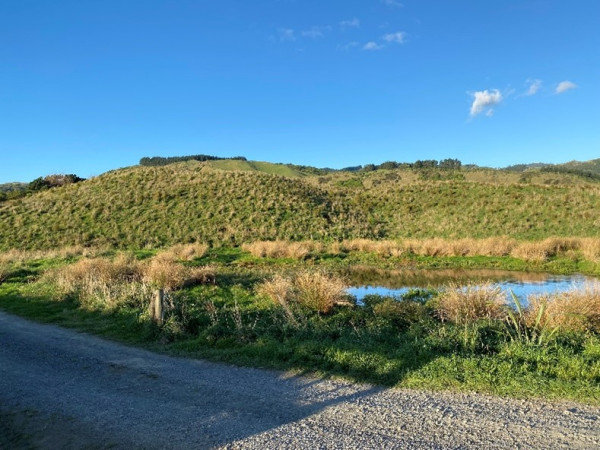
[521, 288]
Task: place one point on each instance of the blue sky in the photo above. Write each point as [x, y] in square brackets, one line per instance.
[88, 86]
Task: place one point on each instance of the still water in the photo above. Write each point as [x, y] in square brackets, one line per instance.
[523, 284]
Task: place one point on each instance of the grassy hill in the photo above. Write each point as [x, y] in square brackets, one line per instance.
[256, 166]
[233, 201]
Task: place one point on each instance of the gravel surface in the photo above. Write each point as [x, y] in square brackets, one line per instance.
[63, 389]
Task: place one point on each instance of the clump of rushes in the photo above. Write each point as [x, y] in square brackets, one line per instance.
[186, 252]
[471, 303]
[316, 290]
[576, 310]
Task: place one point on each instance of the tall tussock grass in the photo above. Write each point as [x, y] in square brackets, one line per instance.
[316, 290]
[125, 280]
[575, 310]
[283, 249]
[165, 273]
[542, 250]
[471, 303]
[532, 251]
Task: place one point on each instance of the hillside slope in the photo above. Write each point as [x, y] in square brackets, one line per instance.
[156, 206]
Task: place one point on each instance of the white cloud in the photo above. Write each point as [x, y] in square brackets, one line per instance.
[398, 38]
[286, 34]
[346, 47]
[564, 86]
[485, 101]
[372, 46]
[392, 3]
[315, 32]
[534, 87]
[353, 23]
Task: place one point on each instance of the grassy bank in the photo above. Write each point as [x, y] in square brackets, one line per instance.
[293, 314]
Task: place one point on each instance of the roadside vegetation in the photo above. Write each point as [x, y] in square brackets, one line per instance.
[228, 305]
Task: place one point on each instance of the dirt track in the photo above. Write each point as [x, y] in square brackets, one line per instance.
[63, 389]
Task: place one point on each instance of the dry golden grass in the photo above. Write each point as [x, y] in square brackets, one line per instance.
[576, 310]
[186, 252]
[542, 250]
[319, 291]
[280, 289]
[315, 290]
[15, 255]
[124, 279]
[282, 249]
[166, 273]
[573, 248]
[590, 248]
[383, 248]
[470, 303]
[110, 282]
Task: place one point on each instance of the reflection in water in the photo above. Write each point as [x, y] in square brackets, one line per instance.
[367, 281]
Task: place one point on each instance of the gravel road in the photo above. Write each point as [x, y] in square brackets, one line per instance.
[63, 389]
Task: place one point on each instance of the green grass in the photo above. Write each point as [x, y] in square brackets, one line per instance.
[152, 207]
[403, 346]
[256, 166]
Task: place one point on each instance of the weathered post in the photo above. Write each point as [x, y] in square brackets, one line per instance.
[157, 309]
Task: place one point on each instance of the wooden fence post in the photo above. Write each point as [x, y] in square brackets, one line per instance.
[157, 310]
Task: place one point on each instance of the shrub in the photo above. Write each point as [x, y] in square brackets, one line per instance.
[471, 303]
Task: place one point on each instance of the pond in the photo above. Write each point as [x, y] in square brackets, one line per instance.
[397, 282]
